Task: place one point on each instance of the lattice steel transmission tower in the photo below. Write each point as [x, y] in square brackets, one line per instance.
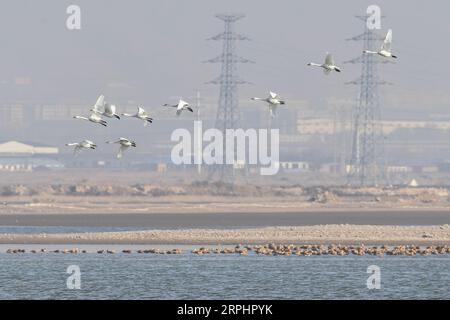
[228, 116]
[366, 162]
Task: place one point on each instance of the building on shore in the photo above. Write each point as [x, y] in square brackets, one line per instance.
[20, 156]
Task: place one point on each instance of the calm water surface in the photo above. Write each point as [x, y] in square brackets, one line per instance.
[188, 276]
[62, 229]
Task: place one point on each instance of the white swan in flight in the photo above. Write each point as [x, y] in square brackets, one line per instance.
[141, 114]
[328, 66]
[182, 105]
[94, 117]
[385, 48]
[273, 100]
[124, 145]
[85, 144]
[105, 109]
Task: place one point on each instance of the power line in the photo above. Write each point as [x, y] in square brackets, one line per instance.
[228, 116]
[367, 143]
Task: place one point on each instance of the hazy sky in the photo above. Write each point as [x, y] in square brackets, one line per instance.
[149, 51]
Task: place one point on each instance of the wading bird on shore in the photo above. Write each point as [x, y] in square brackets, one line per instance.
[385, 48]
[273, 100]
[182, 105]
[141, 114]
[124, 145]
[328, 66]
[85, 144]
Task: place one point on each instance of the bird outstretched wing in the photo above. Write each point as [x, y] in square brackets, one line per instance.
[121, 151]
[141, 111]
[329, 59]
[273, 110]
[387, 41]
[77, 150]
[100, 104]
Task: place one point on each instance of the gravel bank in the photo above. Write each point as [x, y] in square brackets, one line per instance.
[339, 234]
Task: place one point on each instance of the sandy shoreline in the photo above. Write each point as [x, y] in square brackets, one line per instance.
[200, 205]
[205, 197]
[320, 234]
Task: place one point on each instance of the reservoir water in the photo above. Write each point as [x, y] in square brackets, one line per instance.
[188, 276]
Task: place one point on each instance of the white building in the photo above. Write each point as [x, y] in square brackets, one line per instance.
[18, 156]
[294, 166]
[15, 148]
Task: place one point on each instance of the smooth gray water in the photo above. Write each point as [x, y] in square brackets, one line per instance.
[61, 229]
[187, 276]
[230, 219]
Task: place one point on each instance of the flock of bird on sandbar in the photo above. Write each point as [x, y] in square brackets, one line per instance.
[305, 250]
[103, 109]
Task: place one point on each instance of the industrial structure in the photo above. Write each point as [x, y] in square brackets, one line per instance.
[19, 156]
[366, 164]
[228, 115]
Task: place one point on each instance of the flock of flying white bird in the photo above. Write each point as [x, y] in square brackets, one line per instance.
[328, 66]
[102, 108]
